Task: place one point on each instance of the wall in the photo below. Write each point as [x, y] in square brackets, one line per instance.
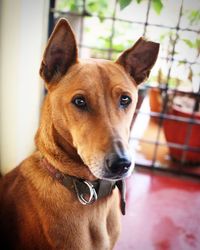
[23, 34]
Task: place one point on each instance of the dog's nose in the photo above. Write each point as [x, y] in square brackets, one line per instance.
[120, 165]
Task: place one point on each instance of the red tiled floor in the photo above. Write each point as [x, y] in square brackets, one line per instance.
[163, 213]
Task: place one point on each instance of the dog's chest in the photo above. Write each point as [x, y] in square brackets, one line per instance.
[87, 235]
[87, 228]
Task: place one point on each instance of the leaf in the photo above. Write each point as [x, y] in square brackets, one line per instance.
[92, 6]
[157, 6]
[197, 43]
[124, 3]
[73, 7]
[189, 43]
[162, 37]
[97, 7]
[182, 62]
[138, 1]
[194, 16]
[101, 16]
[118, 47]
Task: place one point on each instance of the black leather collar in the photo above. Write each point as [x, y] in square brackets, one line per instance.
[87, 192]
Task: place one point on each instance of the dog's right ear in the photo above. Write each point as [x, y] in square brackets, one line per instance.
[61, 52]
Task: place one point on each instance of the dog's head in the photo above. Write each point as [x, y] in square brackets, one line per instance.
[92, 101]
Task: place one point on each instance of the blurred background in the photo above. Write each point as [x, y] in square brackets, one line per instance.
[166, 132]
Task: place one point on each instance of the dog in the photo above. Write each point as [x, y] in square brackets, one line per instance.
[69, 194]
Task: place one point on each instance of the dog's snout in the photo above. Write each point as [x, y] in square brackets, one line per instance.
[119, 165]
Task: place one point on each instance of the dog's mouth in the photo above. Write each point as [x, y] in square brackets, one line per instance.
[110, 176]
[120, 174]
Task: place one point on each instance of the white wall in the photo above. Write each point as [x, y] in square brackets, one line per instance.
[23, 34]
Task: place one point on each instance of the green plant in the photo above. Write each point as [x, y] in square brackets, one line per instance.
[156, 4]
[193, 16]
[99, 8]
[69, 5]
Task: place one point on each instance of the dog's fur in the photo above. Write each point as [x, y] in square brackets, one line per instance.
[36, 211]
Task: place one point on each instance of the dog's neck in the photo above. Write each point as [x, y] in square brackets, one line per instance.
[58, 150]
[87, 192]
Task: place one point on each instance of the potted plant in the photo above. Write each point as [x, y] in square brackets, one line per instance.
[183, 129]
[182, 122]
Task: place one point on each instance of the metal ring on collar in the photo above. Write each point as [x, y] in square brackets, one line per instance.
[92, 193]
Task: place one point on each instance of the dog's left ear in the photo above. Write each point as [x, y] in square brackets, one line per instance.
[60, 53]
[139, 59]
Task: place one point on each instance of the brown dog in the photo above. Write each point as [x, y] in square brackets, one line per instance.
[64, 196]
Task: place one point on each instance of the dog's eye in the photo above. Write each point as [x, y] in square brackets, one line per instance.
[125, 100]
[79, 102]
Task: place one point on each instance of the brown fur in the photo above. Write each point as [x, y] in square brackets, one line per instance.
[36, 211]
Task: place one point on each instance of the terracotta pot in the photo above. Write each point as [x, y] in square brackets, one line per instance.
[177, 132]
[155, 100]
